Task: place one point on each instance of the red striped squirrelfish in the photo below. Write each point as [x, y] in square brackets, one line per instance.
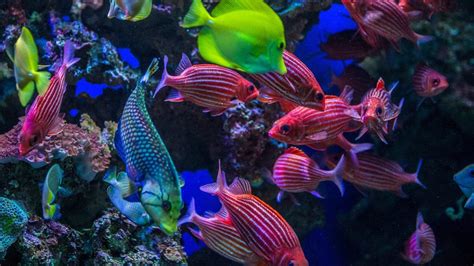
[210, 86]
[295, 172]
[420, 248]
[265, 231]
[220, 235]
[377, 110]
[43, 118]
[379, 174]
[321, 129]
[298, 85]
[385, 18]
[428, 82]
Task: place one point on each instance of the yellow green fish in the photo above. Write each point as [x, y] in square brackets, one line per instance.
[25, 60]
[50, 191]
[246, 35]
[132, 10]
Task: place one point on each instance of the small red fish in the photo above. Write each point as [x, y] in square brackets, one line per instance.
[377, 110]
[265, 231]
[420, 248]
[378, 173]
[210, 86]
[295, 172]
[355, 77]
[428, 82]
[298, 85]
[220, 235]
[346, 45]
[384, 18]
[43, 118]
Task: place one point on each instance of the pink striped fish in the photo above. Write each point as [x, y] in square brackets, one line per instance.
[420, 248]
[298, 85]
[265, 231]
[379, 174]
[377, 111]
[220, 235]
[428, 82]
[295, 172]
[43, 118]
[210, 86]
[321, 129]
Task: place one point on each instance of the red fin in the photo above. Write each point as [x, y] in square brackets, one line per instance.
[296, 151]
[380, 84]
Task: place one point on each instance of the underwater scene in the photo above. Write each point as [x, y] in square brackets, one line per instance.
[237, 132]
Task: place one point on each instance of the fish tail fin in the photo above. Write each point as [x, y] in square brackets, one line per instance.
[26, 93]
[421, 39]
[164, 76]
[42, 81]
[197, 15]
[190, 214]
[415, 175]
[337, 174]
[68, 54]
[152, 69]
[358, 148]
[220, 184]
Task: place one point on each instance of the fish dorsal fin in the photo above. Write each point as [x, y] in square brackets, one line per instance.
[228, 6]
[380, 84]
[419, 220]
[240, 186]
[295, 151]
[347, 94]
[184, 64]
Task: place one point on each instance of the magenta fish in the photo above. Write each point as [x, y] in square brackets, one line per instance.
[420, 248]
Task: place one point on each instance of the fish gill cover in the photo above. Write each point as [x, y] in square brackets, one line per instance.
[402, 73]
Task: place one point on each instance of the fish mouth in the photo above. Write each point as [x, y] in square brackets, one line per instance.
[22, 151]
[169, 229]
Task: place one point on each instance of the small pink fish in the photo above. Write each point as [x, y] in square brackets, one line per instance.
[220, 235]
[428, 82]
[420, 248]
[43, 118]
[295, 172]
[210, 86]
[265, 231]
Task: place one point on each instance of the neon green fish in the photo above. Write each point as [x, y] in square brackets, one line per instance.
[246, 35]
[132, 10]
[25, 60]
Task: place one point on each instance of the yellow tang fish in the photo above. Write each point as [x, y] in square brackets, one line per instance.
[245, 35]
[25, 60]
[132, 10]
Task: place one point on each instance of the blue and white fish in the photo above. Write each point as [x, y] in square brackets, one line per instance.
[465, 181]
[50, 192]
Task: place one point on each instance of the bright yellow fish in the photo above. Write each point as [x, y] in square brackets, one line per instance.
[246, 35]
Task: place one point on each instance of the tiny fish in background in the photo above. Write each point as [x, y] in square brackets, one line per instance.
[265, 231]
[43, 117]
[230, 36]
[50, 192]
[428, 82]
[210, 86]
[25, 60]
[378, 173]
[465, 181]
[294, 172]
[355, 77]
[220, 235]
[298, 86]
[131, 10]
[420, 248]
[377, 111]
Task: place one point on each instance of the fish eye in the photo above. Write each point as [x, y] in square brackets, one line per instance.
[166, 206]
[319, 96]
[251, 88]
[436, 82]
[285, 129]
[379, 110]
[281, 46]
[34, 139]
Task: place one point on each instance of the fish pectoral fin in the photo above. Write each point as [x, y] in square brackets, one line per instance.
[318, 136]
[57, 126]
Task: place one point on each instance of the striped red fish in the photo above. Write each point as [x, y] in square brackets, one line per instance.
[220, 235]
[378, 173]
[295, 172]
[321, 129]
[357, 78]
[415, 9]
[265, 231]
[428, 82]
[377, 111]
[346, 45]
[298, 85]
[43, 118]
[420, 248]
[383, 18]
[210, 86]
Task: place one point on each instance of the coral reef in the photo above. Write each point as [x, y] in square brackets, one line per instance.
[13, 219]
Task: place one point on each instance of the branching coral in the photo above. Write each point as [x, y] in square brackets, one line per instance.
[13, 219]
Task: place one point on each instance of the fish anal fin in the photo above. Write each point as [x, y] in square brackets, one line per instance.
[175, 96]
[296, 151]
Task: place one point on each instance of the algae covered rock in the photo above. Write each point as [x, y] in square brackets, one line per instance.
[13, 219]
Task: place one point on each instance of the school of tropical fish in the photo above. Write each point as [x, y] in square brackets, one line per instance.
[246, 59]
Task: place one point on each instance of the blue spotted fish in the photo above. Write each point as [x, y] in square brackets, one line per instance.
[156, 183]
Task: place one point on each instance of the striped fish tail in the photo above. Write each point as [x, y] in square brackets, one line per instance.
[68, 55]
[337, 174]
[190, 214]
[415, 175]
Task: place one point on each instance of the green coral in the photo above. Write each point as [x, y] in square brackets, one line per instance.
[13, 219]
